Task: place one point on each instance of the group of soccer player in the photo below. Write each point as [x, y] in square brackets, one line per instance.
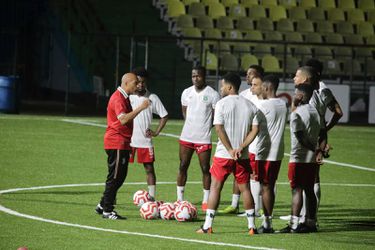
[250, 128]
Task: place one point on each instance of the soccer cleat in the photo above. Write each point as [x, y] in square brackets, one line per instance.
[113, 216]
[204, 206]
[204, 231]
[285, 230]
[253, 231]
[263, 230]
[99, 209]
[285, 217]
[301, 229]
[229, 210]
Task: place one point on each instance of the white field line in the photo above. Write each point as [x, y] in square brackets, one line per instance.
[341, 164]
[161, 183]
[15, 213]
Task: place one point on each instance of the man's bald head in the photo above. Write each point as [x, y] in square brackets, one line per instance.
[129, 83]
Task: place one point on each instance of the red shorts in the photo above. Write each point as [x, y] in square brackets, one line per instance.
[199, 148]
[268, 171]
[254, 167]
[222, 167]
[144, 155]
[301, 174]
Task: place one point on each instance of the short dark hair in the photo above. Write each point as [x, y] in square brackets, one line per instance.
[312, 75]
[258, 68]
[307, 89]
[233, 79]
[140, 71]
[201, 69]
[316, 64]
[272, 80]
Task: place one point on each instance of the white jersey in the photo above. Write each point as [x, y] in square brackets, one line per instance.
[142, 121]
[270, 144]
[254, 99]
[199, 114]
[320, 100]
[237, 115]
[306, 119]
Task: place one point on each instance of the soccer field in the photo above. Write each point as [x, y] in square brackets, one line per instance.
[52, 171]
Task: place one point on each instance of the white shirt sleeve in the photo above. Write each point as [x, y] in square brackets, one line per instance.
[216, 98]
[184, 100]
[157, 106]
[218, 117]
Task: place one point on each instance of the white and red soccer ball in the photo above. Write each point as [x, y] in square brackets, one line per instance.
[166, 211]
[185, 211]
[149, 210]
[140, 197]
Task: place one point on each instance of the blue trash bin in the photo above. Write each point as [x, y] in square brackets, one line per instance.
[8, 94]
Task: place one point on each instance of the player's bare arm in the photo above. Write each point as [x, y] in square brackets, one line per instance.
[334, 107]
[251, 136]
[125, 118]
[162, 122]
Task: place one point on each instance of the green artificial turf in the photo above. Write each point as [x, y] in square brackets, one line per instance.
[41, 151]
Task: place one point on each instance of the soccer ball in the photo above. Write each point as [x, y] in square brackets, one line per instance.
[184, 211]
[140, 197]
[149, 210]
[166, 211]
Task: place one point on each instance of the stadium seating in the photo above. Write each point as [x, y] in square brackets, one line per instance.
[332, 67]
[204, 22]
[344, 28]
[365, 29]
[307, 4]
[327, 4]
[313, 38]
[237, 11]
[296, 21]
[225, 23]
[316, 14]
[324, 27]
[256, 12]
[305, 25]
[249, 3]
[297, 13]
[264, 24]
[229, 62]
[247, 60]
[277, 12]
[323, 53]
[273, 36]
[356, 16]
[288, 3]
[245, 24]
[352, 67]
[334, 38]
[285, 25]
[175, 9]
[228, 3]
[335, 15]
[291, 65]
[197, 9]
[366, 4]
[294, 37]
[346, 4]
[261, 50]
[270, 64]
[216, 10]
[211, 62]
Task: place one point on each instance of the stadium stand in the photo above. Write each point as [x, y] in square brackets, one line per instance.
[312, 22]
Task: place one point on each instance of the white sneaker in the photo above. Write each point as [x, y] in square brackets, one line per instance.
[286, 217]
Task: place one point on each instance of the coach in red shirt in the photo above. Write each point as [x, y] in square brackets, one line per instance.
[117, 137]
